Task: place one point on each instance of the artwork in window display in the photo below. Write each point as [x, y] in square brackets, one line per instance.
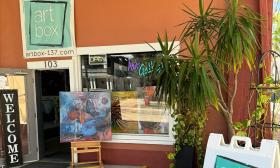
[154, 119]
[85, 116]
[138, 112]
[120, 121]
[135, 109]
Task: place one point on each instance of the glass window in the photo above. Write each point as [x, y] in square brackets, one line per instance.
[134, 107]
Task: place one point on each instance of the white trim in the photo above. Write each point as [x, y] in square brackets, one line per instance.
[97, 50]
[60, 64]
[144, 138]
[35, 112]
[31, 108]
[77, 72]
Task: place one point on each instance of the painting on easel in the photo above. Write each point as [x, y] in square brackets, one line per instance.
[85, 116]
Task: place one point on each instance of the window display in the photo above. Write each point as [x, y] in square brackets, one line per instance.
[135, 109]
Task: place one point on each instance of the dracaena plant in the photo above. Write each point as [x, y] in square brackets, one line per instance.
[229, 37]
[215, 43]
[188, 87]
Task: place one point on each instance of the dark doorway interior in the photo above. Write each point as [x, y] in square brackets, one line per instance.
[48, 85]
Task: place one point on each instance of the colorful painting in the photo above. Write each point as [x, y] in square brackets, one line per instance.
[85, 116]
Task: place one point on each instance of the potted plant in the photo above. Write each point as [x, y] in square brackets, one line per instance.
[215, 43]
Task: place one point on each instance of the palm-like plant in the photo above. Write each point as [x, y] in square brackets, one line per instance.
[216, 43]
[229, 38]
[237, 42]
[188, 87]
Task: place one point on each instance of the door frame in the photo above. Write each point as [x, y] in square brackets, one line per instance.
[56, 64]
[50, 65]
[31, 109]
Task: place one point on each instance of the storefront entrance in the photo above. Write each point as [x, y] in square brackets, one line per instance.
[22, 81]
[48, 85]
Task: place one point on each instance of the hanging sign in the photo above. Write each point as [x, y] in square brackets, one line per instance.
[47, 28]
[11, 127]
[97, 60]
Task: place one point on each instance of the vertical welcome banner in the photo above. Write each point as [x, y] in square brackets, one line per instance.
[47, 28]
[9, 110]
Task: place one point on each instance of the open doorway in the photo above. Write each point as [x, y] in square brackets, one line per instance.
[22, 81]
[48, 85]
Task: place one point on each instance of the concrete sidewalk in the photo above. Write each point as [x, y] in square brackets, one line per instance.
[119, 166]
[44, 164]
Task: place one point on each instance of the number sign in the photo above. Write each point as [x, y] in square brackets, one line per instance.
[50, 64]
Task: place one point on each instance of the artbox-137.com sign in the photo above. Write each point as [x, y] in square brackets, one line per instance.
[47, 28]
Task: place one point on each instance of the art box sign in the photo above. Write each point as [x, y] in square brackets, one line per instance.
[47, 28]
[9, 111]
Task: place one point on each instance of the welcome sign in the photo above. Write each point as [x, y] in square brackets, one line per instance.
[47, 28]
[11, 129]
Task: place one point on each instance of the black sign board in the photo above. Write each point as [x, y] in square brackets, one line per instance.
[11, 127]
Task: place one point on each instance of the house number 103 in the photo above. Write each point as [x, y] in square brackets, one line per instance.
[50, 64]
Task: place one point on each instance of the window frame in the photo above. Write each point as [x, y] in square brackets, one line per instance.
[130, 48]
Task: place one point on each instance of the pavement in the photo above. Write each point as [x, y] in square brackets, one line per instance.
[44, 164]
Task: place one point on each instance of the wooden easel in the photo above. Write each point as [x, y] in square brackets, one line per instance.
[86, 147]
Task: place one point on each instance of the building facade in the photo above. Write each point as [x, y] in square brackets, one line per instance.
[116, 32]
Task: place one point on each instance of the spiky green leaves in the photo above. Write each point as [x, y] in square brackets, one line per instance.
[237, 39]
[186, 83]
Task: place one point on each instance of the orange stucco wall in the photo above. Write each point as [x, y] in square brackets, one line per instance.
[100, 23]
